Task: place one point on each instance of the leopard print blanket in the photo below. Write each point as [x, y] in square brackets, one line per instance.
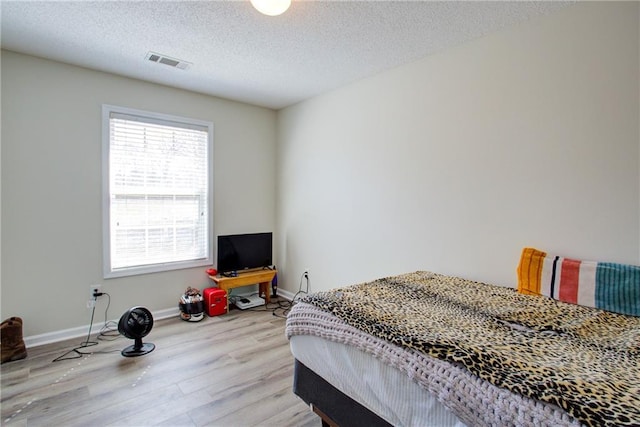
[584, 360]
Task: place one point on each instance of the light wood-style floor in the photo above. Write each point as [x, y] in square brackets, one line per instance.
[230, 370]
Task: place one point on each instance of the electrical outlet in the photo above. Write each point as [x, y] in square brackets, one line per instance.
[94, 289]
[306, 273]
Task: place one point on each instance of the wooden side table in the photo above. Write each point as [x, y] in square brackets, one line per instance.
[262, 277]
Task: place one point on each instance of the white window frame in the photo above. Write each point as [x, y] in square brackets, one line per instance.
[108, 271]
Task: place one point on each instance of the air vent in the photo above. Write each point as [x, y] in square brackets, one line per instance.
[166, 60]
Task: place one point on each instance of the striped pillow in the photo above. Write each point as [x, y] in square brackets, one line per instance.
[608, 286]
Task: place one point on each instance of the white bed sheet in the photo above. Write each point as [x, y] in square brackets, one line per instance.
[383, 389]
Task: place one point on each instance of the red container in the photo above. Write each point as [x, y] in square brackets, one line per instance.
[215, 301]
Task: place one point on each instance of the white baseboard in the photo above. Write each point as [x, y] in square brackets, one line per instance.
[82, 331]
[288, 295]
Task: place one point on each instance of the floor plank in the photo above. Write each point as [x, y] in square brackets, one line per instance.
[230, 370]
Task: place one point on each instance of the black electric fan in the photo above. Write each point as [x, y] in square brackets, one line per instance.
[135, 324]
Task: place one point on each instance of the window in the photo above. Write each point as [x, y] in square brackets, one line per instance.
[157, 189]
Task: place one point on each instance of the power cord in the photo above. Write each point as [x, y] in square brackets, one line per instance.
[105, 331]
[280, 307]
[87, 343]
[286, 306]
[109, 330]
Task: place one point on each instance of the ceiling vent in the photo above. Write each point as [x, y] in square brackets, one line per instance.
[167, 60]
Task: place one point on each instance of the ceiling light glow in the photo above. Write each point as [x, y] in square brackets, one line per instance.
[271, 7]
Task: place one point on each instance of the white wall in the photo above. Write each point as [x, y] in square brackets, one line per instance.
[454, 163]
[51, 188]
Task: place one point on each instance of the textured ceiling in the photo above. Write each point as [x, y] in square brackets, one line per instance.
[239, 54]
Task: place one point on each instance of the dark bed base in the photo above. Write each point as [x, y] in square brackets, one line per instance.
[334, 407]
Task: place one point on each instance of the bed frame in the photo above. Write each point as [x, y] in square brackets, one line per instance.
[330, 404]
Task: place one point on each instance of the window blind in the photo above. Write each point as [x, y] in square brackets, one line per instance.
[158, 191]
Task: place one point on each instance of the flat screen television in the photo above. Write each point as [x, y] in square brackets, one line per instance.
[237, 252]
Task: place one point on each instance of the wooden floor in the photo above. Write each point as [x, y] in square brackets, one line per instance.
[230, 370]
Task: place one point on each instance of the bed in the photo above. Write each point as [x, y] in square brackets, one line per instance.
[434, 350]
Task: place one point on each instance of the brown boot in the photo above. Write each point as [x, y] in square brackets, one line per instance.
[12, 347]
[13, 319]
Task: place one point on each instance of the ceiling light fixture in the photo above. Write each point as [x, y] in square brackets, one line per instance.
[271, 7]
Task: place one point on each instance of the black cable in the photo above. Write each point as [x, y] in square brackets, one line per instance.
[106, 331]
[283, 305]
[87, 343]
[289, 304]
[109, 331]
[275, 304]
[93, 312]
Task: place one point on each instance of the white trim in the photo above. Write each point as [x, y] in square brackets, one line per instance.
[156, 268]
[288, 295]
[81, 331]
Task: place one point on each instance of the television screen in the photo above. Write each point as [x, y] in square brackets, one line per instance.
[244, 251]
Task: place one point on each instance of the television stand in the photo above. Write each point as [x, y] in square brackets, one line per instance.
[262, 277]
